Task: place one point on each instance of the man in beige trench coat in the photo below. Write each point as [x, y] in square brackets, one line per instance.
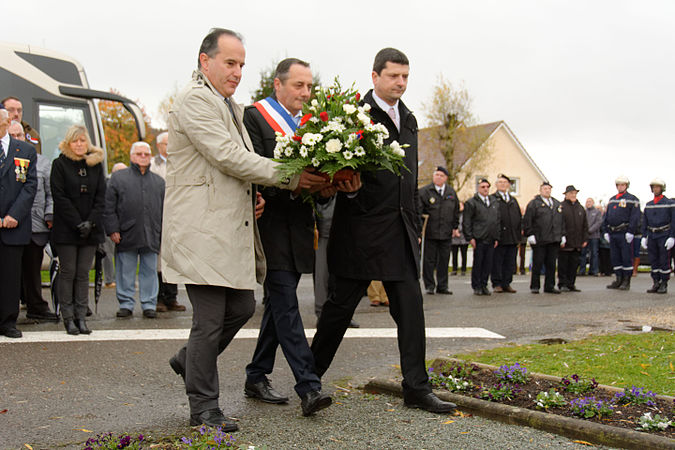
[210, 239]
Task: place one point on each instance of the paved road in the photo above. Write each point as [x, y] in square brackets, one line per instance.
[54, 391]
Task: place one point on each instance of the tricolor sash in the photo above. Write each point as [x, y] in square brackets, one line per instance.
[276, 116]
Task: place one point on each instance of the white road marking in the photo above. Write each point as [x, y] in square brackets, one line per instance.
[246, 333]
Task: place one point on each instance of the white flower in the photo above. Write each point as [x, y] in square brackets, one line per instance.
[363, 118]
[289, 151]
[317, 89]
[379, 141]
[333, 146]
[359, 151]
[315, 102]
[349, 109]
[347, 154]
[303, 151]
[314, 119]
[333, 125]
[315, 162]
[396, 149]
[366, 107]
[311, 138]
[277, 152]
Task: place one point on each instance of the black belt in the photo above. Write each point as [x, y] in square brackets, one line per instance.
[657, 229]
[623, 226]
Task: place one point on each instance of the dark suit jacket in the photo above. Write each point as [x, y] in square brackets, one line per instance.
[481, 222]
[287, 225]
[375, 233]
[16, 197]
[443, 211]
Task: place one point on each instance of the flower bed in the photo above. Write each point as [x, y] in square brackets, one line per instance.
[571, 396]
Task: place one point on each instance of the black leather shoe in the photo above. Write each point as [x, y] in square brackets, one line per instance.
[213, 418]
[82, 326]
[552, 291]
[263, 390]
[149, 313]
[11, 332]
[314, 401]
[565, 289]
[43, 316]
[177, 367]
[478, 292]
[430, 292]
[444, 292]
[655, 287]
[663, 288]
[431, 403]
[71, 328]
[123, 312]
[354, 324]
[486, 291]
[574, 289]
[534, 291]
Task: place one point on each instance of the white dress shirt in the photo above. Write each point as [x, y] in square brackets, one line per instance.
[384, 106]
[5, 143]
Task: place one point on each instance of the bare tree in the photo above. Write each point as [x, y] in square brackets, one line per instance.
[454, 131]
[166, 104]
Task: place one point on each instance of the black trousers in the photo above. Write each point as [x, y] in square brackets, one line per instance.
[10, 284]
[217, 315]
[282, 326]
[405, 306]
[73, 286]
[504, 265]
[568, 265]
[168, 292]
[31, 280]
[544, 254]
[456, 250]
[436, 257]
[483, 255]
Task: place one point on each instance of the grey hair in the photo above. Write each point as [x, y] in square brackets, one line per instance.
[162, 136]
[139, 144]
[210, 42]
[14, 122]
[284, 67]
[4, 114]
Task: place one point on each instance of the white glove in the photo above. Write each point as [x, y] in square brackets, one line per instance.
[629, 237]
[531, 240]
[563, 241]
[670, 243]
[606, 236]
[643, 243]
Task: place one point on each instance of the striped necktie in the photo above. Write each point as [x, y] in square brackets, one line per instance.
[2, 155]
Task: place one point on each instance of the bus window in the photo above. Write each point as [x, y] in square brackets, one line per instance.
[55, 121]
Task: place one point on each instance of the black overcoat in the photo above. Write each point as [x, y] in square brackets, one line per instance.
[480, 222]
[544, 222]
[576, 225]
[443, 211]
[287, 224]
[510, 219]
[375, 232]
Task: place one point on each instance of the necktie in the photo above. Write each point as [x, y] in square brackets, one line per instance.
[392, 114]
[2, 155]
[440, 191]
[485, 200]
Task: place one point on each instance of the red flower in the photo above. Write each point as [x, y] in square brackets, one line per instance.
[297, 138]
[358, 97]
[360, 134]
[324, 116]
[305, 118]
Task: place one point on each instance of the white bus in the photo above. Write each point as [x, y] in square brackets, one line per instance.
[55, 94]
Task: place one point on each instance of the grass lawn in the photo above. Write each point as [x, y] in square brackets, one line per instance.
[622, 360]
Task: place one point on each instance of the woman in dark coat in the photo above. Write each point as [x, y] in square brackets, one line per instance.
[78, 188]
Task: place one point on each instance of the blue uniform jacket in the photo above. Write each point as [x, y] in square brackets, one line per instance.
[16, 196]
[623, 210]
[658, 217]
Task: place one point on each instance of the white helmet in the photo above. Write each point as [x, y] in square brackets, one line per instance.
[622, 179]
[658, 182]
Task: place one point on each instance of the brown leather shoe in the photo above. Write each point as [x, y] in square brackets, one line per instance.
[510, 290]
[175, 306]
[498, 289]
[161, 307]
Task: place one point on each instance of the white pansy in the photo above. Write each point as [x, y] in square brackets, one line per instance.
[347, 154]
[311, 138]
[359, 151]
[396, 149]
[315, 162]
[303, 151]
[349, 109]
[333, 146]
[363, 118]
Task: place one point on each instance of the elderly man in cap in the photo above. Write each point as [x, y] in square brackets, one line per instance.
[439, 201]
[544, 227]
[481, 228]
[575, 238]
[510, 218]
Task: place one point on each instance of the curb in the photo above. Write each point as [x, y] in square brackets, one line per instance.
[560, 425]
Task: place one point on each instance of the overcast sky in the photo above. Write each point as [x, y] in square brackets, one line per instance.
[586, 86]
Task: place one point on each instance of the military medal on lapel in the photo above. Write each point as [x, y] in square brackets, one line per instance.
[21, 169]
[559, 209]
[432, 200]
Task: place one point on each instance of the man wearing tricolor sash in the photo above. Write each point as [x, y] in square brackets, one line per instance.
[287, 234]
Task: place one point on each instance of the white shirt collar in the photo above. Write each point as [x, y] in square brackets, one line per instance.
[161, 156]
[384, 106]
[296, 117]
[485, 199]
[5, 143]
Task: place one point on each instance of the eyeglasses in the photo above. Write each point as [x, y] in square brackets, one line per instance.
[143, 154]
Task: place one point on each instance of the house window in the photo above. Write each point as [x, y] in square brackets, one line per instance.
[477, 180]
[515, 186]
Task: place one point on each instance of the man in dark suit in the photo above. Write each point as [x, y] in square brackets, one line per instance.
[18, 184]
[481, 229]
[375, 236]
[504, 261]
[439, 200]
[287, 234]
